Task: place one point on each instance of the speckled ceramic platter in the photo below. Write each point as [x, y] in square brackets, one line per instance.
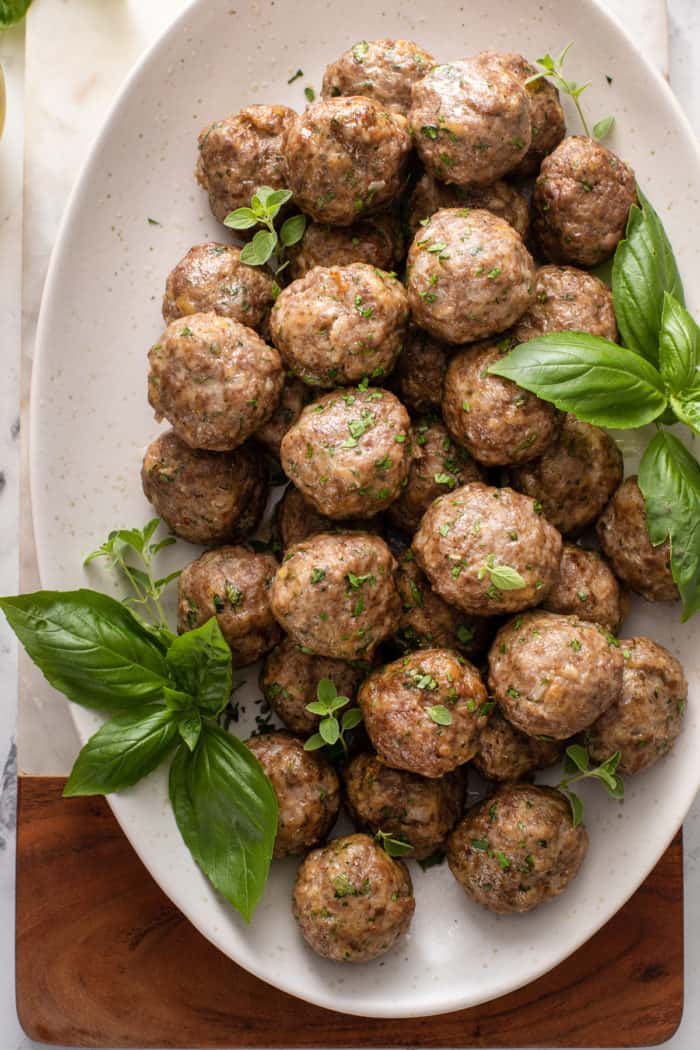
[91, 421]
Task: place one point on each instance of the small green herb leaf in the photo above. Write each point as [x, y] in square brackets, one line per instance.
[603, 127]
[241, 219]
[259, 250]
[190, 728]
[394, 846]
[292, 230]
[440, 715]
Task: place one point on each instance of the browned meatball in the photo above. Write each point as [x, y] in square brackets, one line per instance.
[307, 790]
[335, 594]
[586, 587]
[338, 324]
[296, 520]
[623, 536]
[349, 453]
[438, 466]
[204, 497]
[377, 241]
[546, 113]
[352, 900]
[383, 70]
[567, 300]
[295, 395]
[420, 371]
[418, 810]
[646, 720]
[506, 754]
[423, 712]
[469, 275]
[582, 198]
[487, 550]
[499, 197]
[241, 153]
[554, 675]
[345, 158]
[233, 584]
[574, 478]
[471, 121]
[428, 622]
[214, 380]
[212, 279]
[289, 679]
[517, 849]
[494, 418]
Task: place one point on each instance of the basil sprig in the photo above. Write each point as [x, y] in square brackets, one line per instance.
[653, 377]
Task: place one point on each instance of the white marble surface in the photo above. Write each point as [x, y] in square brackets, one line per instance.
[68, 89]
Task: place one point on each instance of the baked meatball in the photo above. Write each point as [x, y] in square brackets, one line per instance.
[377, 241]
[568, 300]
[546, 113]
[296, 520]
[214, 380]
[418, 810]
[289, 679]
[420, 372]
[295, 395]
[647, 718]
[500, 198]
[582, 198]
[438, 466]
[423, 712]
[428, 622]
[487, 550]
[586, 587]
[349, 453]
[469, 275]
[204, 497]
[517, 849]
[625, 542]
[233, 584]
[335, 594]
[574, 477]
[471, 121]
[554, 675]
[212, 279]
[384, 70]
[506, 754]
[307, 790]
[241, 153]
[340, 323]
[345, 158]
[352, 900]
[494, 418]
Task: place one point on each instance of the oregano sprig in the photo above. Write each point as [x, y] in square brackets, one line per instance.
[264, 208]
[394, 845]
[577, 766]
[554, 69]
[331, 730]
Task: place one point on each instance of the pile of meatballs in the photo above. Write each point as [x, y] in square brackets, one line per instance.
[435, 549]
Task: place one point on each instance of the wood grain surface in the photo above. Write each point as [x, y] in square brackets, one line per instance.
[104, 959]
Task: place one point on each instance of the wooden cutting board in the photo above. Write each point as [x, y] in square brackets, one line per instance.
[104, 959]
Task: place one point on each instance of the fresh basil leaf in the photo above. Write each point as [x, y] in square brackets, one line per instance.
[292, 230]
[190, 728]
[597, 380]
[669, 478]
[687, 410]
[603, 127]
[200, 661]
[226, 810]
[678, 346]
[259, 250]
[12, 11]
[90, 647]
[123, 751]
[643, 269]
[241, 219]
[177, 700]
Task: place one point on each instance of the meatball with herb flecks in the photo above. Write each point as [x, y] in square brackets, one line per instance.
[295, 395]
[574, 477]
[587, 587]
[349, 453]
[487, 550]
[204, 497]
[233, 584]
[214, 380]
[212, 278]
[424, 711]
[335, 594]
[420, 372]
[384, 70]
[554, 675]
[345, 158]
[581, 202]
[567, 300]
[647, 718]
[495, 419]
[505, 754]
[500, 198]
[469, 275]
[377, 241]
[517, 849]
[417, 810]
[352, 900]
[296, 520]
[338, 324]
[307, 790]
